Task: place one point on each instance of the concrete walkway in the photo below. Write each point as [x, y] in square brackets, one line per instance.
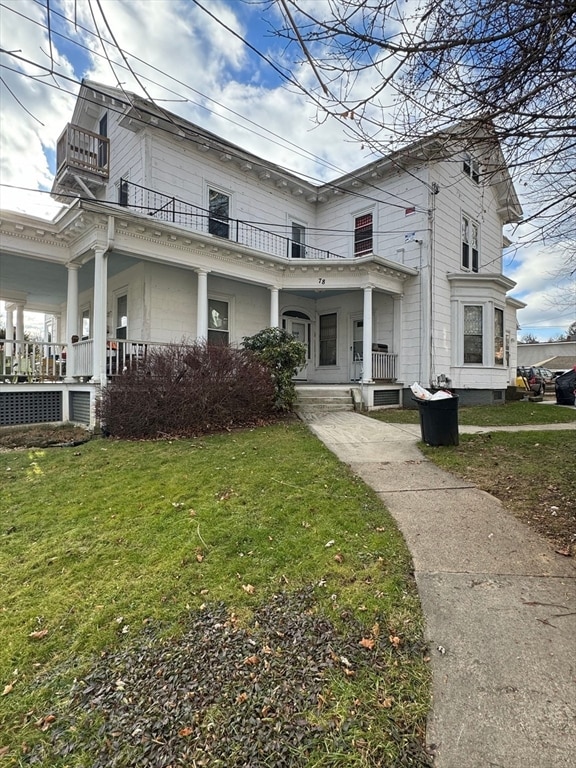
[500, 604]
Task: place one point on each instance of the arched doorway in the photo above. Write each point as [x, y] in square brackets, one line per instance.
[300, 326]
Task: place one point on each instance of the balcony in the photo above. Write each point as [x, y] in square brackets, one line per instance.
[165, 208]
[82, 162]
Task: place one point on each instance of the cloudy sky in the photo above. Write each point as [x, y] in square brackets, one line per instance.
[184, 54]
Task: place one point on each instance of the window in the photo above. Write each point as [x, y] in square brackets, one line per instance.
[219, 213]
[85, 323]
[218, 330]
[297, 250]
[473, 334]
[103, 145]
[498, 337]
[470, 247]
[328, 328]
[121, 317]
[123, 192]
[363, 234]
[471, 168]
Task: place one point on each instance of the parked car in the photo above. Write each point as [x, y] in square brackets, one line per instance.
[565, 386]
[530, 379]
[547, 375]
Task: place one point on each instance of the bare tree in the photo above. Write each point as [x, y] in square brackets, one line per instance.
[396, 71]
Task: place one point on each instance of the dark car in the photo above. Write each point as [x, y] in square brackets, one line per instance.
[565, 386]
[531, 379]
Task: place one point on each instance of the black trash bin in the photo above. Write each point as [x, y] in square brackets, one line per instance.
[439, 420]
[565, 386]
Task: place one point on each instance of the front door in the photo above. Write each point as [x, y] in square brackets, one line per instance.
[299, 327]
[357, 350]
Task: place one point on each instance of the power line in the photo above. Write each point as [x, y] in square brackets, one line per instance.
[201, 138]
[298, 150]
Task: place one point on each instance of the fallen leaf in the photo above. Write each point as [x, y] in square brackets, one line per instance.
[367, 642]
[241, 698]
[388, 701]
[339, 558]
[45, 722]
[185, 731]
[248, 588]
[199, 556]
[396, 642]
[565, 552]
[251, 660]
[349, 672]
[376, 630]
[8, 689]
[39, 634]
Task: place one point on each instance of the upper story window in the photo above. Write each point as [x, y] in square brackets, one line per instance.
[471, 168]
[218, 213]
[470, 244]
[363, 232]
[297, 249]
[103, 145]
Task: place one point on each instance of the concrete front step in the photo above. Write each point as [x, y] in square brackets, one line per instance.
[324, 398]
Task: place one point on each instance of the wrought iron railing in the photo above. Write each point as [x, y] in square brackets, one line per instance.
[172, 209]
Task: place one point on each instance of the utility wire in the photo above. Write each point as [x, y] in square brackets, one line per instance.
[306, 153]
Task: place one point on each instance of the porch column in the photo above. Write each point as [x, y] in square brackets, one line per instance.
[367, 336]
[72, 302]
[9, 330]
[100, 308]
[274, 319]
[71, 319]
[202, 307]
[397, 335]
[19, 327]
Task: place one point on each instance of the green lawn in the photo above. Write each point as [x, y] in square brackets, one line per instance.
[111, 550]
[508, 414]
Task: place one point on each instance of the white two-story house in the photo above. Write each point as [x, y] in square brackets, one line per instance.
[389, 275]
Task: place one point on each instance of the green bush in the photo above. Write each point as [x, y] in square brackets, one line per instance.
[283, 355]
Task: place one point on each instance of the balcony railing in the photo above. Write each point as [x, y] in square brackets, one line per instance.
[166, 208]
[83, 151]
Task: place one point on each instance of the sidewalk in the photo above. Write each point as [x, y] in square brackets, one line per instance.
[500, 605]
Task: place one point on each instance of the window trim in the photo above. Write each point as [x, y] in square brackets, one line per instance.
[322, 341]
[361, 233]
[469, 237]
[218, 225]
[481, 335]
[471, 168]
[499, 348]
[224, 333]
[297, 248]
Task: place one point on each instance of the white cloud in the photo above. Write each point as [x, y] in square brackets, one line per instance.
[183, 57]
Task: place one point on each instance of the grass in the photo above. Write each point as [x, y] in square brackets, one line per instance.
[101, 542]
[507, 415]
[532, 473]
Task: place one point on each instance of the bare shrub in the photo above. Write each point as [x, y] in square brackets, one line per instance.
[186, 390]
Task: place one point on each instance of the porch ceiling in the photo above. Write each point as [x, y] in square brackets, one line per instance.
[44, 283]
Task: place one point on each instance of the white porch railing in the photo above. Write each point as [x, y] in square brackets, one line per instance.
[384, 366]
[22, 361]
